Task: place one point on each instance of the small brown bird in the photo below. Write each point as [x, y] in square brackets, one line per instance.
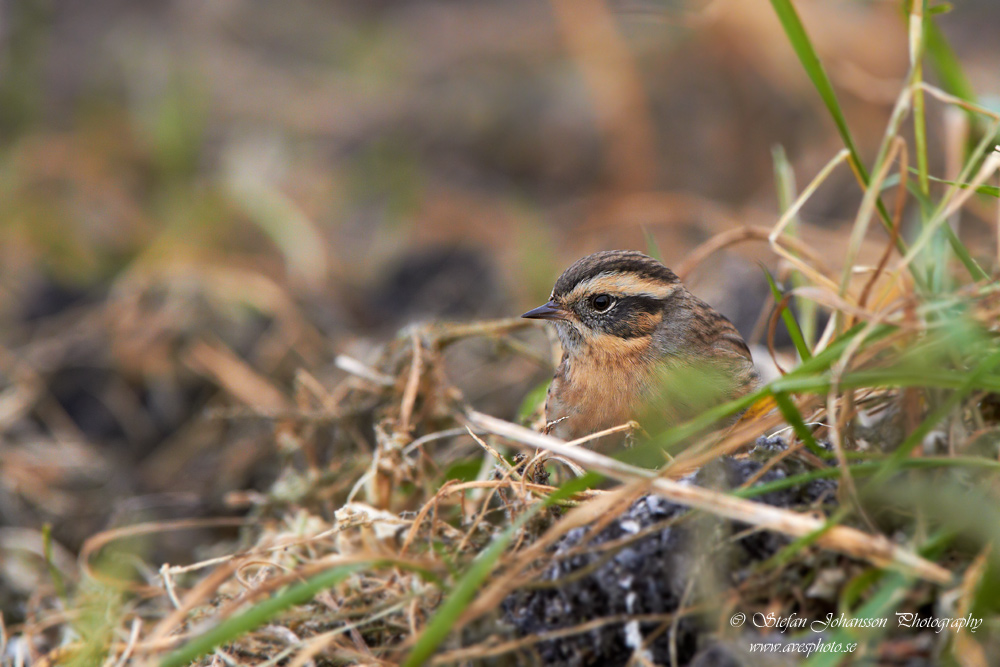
[636, 341]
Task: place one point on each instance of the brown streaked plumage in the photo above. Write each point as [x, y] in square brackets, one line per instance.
[634, 336]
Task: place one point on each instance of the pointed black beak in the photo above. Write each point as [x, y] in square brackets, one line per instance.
[550, 311]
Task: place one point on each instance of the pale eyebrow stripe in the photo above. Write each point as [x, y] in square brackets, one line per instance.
[624, 284]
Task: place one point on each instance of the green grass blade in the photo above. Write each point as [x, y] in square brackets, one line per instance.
[991, 190]
[57, 579]
[789, 319]
[259, 614]
[799, 39]
[803, 47]
[884, 379]
[918, 13]
[784, 180]
[971, 265]
[798, 424]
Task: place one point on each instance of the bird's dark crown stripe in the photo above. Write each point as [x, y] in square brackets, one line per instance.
[613, 262]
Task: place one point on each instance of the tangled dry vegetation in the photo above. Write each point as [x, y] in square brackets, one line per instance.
[406, 527]
[402, 526]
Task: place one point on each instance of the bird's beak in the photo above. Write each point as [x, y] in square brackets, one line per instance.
[550, 311]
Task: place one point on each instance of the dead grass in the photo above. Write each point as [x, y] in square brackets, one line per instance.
[370, 514]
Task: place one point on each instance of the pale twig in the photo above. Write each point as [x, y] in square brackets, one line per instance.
[355, 367]
[412, 384]
[168, 585]
[492, 452]
[875, 548]
[628, 426]
[133, 636]
[431, 437]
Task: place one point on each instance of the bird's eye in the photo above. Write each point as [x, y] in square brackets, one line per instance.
[601, 302]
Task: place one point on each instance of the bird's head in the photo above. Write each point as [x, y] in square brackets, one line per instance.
[611, 299]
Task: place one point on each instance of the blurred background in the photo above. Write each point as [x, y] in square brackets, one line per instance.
[200, 200]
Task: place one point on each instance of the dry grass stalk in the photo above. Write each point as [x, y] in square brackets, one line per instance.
[875, 548]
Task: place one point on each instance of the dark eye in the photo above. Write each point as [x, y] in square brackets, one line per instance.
[601, 302]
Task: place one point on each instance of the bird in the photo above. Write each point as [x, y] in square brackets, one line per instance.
[636, 346]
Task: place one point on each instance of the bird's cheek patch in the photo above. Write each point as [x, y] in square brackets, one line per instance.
[636, 324]
[647, 322]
